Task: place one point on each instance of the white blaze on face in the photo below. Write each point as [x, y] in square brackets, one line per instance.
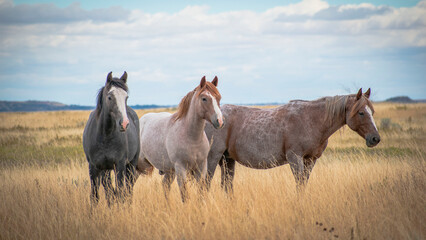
[120, 98]
[216, 109]
[370, 114]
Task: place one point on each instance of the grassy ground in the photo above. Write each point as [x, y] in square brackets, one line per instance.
[354, 192]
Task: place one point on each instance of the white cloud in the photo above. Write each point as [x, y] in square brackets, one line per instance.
[307, 42]
[305, 7]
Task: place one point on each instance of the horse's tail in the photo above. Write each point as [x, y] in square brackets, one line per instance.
[144, 167]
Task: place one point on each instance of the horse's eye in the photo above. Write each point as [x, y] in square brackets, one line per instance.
[361, 113]
[204, 99]
[109, 97]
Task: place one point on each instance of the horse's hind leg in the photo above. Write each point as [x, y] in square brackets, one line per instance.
[94, 182]
[107, 183]
[168, 179]
[227, 167]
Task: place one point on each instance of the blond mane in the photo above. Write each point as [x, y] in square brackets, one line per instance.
[360, 104]
[336, 106]
[186, 101]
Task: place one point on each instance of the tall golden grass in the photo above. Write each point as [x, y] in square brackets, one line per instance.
[354, 192]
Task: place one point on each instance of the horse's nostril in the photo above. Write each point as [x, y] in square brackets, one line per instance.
[376, 139]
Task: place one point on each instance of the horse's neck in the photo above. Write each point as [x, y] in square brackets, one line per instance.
[329, 128]
[336, 125]
[194, 123]
[106, 123]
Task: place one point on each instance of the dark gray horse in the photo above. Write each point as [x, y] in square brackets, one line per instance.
[111, 140]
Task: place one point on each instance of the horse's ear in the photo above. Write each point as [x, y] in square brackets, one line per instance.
[215, 80]
[109, 77]
[367, 94]
[203, 82]
[359, 94]
[124, 77]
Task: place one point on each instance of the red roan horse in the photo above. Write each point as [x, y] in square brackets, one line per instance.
[295, 133]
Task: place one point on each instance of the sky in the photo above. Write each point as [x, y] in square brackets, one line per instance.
[262, 51]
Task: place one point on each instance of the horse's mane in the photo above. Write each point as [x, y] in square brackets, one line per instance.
[336, 106]
[116, 82]
[361, 103]
[186, 101]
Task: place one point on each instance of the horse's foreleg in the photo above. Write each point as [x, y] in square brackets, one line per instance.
[94, 182]
[308, 165]
[297, 167]
[130, 180]
[227, 167]
[121, 170]
[181, 179]
[107, 183]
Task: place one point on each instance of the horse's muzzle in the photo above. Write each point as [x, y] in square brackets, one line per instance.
[218, 123]
[372, 140]
[123, 125]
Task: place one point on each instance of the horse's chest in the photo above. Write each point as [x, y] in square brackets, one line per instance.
[189, 153]
[317, 150]
[194, 152]
[107, 155]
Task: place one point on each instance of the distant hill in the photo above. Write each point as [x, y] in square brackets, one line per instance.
[400, 99]
[36, 106]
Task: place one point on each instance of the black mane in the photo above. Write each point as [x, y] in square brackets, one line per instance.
[115, 82]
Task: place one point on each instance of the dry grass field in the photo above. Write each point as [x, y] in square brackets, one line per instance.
[354, 192]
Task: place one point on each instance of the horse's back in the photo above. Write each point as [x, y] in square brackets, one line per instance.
[290, 118]
[154, 122]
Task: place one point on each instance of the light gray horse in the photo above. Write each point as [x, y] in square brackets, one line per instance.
[111, 140]
[176, 144]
